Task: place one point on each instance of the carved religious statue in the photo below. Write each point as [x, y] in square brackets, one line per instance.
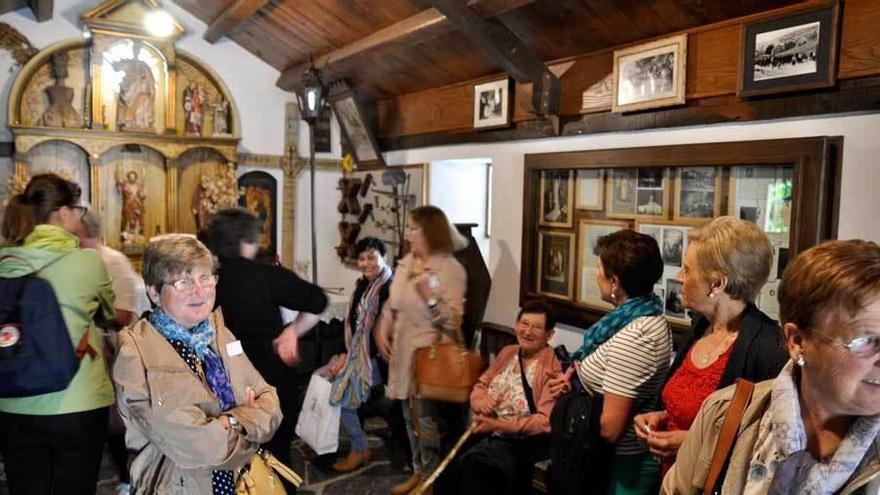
[60, 112]
[137, 91]
[131, 187]
[214, 193]
[222, 118]
[193, 100]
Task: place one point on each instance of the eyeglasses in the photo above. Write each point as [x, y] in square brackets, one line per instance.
[82, 210]
[531, 326]
[866, 346]
[187, 285]
[410, 228]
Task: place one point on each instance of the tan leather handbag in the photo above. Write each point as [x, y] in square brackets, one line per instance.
[260, 478]
[446, 372]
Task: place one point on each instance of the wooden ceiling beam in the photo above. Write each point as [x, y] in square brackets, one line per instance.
[508, 52]
[42, 9]
[421, 26]
[232, 17]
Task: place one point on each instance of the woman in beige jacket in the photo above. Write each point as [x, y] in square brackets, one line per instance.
[194, 407]
[425, 304]
[814, 428]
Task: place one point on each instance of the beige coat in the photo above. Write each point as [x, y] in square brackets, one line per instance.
[171, 415]
[688, 474]
[415, 324]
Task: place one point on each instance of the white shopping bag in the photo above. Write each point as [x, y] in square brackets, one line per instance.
[318, 423]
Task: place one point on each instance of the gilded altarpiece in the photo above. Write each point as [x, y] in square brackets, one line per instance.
[149, 132]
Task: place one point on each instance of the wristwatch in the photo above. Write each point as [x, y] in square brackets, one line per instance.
[233, 423]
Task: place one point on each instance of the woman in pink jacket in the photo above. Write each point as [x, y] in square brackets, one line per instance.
[511, 404]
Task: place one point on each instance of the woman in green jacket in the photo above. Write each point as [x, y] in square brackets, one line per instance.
[52, 443]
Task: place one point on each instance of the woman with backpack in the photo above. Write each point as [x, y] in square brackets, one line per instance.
[53, 442]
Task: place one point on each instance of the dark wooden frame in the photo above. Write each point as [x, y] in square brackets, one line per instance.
[826, 52]
[343, 100]
[815, 191]
[506, 103]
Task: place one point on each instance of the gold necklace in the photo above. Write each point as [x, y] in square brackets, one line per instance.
[706, 357]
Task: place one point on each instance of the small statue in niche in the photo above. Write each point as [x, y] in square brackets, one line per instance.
[60, 112]
[214, 193]
[137, 92]
[131, 187]
[193, 100]
[222, 118]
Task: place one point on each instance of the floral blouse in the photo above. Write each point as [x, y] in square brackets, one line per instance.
[506, 389]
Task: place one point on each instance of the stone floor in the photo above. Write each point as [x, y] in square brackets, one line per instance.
[319, 479]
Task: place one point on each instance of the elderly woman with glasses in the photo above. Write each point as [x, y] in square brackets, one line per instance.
[814, 428]
[194, 407]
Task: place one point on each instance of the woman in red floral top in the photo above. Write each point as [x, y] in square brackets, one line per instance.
[725, 265]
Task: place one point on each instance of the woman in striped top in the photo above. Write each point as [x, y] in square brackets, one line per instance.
[626, 354]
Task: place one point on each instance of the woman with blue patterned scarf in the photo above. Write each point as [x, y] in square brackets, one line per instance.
[625, 355]
[194, 407]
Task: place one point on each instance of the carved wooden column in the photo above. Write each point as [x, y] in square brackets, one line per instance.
[171, 90]
[172, 173]
[20, 176]
[96, 198]
[95, 84]
[291, 167]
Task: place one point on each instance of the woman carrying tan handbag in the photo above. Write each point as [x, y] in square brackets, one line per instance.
[424, 308]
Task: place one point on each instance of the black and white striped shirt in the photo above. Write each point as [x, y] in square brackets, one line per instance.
[633, 363]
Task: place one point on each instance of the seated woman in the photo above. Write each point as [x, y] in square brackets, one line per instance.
[194, 407]
[812, 429]
[510, 412]
[626, 354]
[357, 370]
[725, 265]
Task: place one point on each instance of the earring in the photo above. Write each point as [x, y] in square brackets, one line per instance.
[711, 295]
[613, 295]
[800, 360]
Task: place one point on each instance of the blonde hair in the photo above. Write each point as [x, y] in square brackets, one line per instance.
[734, 249]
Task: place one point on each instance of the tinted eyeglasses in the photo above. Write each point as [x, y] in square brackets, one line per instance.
[187, 285]
[866, 346]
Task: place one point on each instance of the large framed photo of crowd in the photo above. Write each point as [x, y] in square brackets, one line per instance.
[572, 199]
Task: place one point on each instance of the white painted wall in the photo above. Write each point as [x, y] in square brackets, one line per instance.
[259, 102]
[859, 202]
[458, 187]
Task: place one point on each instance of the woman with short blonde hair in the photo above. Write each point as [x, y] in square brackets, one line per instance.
[726, 263]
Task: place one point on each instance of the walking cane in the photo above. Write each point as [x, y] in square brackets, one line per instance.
[451, 455]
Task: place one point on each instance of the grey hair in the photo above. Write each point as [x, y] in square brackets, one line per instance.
[92, 223]
[172, 254]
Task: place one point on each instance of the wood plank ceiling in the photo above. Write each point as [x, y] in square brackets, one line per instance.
[388, 48]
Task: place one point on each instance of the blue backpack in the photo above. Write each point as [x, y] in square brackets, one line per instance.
[36, 353]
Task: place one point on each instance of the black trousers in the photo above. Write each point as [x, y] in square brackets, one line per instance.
[58, 454]
[490, 465]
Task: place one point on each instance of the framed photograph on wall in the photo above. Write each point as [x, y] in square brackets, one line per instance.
[637, 193]
[670, 237]
[557, 198]
[650, 75]
[697, 194]
[590, 189]
[789, 53]
[353, 125]
[556, 264]
[589, 232]
[492, 104]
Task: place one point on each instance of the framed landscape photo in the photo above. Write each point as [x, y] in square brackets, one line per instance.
[589, 232]
[492, 104]
[697, 194]
[557, 198]
[789, 53]
[556, 264]
[650, 75]
[590, 189]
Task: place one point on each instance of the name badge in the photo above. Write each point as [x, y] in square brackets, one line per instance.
[234, 348]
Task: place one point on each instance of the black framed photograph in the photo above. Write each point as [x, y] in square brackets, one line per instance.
[353, 125]
[650, 75]
[260, 197]
[789, 53]
[492, 104]
[556, 264]
[557, 198]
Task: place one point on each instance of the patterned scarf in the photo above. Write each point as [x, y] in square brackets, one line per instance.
[198, 339]
[781, 464]
[608, 325]
[351, 387]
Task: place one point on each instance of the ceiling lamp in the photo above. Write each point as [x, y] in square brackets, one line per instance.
[159, 24]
